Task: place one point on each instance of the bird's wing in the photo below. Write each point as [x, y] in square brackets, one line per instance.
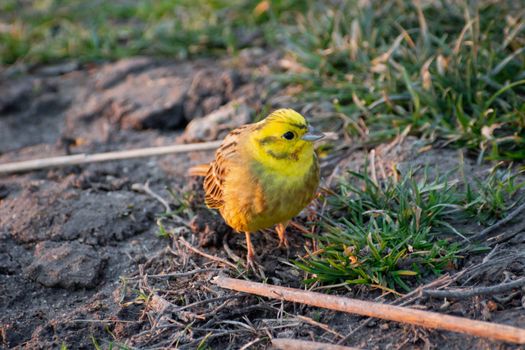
[218, 170]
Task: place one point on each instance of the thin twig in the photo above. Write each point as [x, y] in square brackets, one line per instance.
[388, 312]
[228, 250]
[490, 254]
[77, 159]
[483, 234]
[147, 190]
[207, 301]
[507, 235]
[503, 258]
[194, 344]
[320, 325]
[470, 292]
[238, 311]
[104, 321]
[178, 274]
[252, 343]
[215, 311]
[211, 257]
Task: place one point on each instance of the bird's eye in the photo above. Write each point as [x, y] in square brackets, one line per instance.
[289, 135]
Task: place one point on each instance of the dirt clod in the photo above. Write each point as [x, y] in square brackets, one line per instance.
[68, 265]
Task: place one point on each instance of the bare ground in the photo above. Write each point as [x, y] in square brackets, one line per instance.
[81, 261]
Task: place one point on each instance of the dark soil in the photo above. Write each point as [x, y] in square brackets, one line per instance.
[80, 254]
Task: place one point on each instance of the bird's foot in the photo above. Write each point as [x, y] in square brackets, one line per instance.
[283, 243]
[254, 266]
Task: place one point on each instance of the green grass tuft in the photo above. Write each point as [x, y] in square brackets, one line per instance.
[390, 233]
[381, 234]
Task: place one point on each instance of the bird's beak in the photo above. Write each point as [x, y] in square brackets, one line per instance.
[312, 135]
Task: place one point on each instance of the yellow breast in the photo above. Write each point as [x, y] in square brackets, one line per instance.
[257, 196]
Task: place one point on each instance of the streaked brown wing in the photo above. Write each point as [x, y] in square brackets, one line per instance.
[213, 183]
[218, 171]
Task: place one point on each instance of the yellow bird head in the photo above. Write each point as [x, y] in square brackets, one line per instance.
[284, 138]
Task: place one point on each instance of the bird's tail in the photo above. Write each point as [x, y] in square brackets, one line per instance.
[199, 170]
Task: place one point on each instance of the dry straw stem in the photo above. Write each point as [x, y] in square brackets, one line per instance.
[388, 312]
[295, 344]
[53, 162]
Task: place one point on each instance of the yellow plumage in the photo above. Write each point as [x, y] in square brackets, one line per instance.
[263, 174]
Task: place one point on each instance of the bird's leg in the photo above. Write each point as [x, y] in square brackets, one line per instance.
[281, 231]
[250, 257]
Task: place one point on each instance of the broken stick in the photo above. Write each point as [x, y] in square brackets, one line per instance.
[384, 311]
[296, 344]
[76, 159]
[470, 292]
[483, 234]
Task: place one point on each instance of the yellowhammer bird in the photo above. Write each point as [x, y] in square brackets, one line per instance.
[263, 174]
